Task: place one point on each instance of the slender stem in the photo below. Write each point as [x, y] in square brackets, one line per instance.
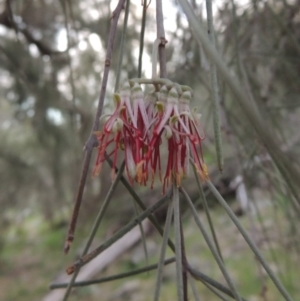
[113, 277]
[251, 244]
[136, 211]
[211, 246]
[96, 225]
[204, 279]
[214, 88]
[194, 289]
[161, 37]
[121, 50]
[145, 6]
[184, 263]
[154, 58]
[206, 209]
[87, 258]
[163, 251]
[91, 142]
[178, 238]
[215, 292]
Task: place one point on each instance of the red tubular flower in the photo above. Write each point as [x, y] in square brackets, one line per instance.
[117, 129]
[195, 133]
[141, 124]
[136, 126]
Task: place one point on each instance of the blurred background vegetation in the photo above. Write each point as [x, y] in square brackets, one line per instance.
[51, 61]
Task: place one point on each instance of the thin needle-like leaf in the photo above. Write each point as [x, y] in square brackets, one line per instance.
[215, 292]
[211, 246]
[87, 258]
[113, 277]
[288, 171]
[96, 225]
[136, 210]
[178, 238]
[163, 251]
[206, 209]
[203, 278]
[194, 290]
[251, 244]
[214, 88]
[196, 274]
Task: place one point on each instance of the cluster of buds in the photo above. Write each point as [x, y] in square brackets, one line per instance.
[139, 126]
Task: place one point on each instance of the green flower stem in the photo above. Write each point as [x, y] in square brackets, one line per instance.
[96, 225]
[211, 246]
[251, 244]
[113, 277]
[178, 239]
[87, 258]
[214, 88]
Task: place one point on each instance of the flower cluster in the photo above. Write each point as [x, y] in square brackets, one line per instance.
[140, 125]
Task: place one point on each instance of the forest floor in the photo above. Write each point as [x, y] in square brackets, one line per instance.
[31, 258]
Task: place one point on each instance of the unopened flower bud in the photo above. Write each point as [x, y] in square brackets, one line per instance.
[168, 132]
[137, 92]
[117, 99]
[125, 91]
[185, 98]
[172, 96]
[163, 94]
[117, 126]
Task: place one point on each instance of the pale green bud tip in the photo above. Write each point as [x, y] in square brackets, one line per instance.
[136, 87]
[163, 90]
[185, 97]
[173, 93]
[168, 132]
[173, 119]
[137, 91]
[117, 99]
[160, 106]
[173, 96]
[104, 117]
[163, 95]
[126, 86]
[117, 126]
[125, 91]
